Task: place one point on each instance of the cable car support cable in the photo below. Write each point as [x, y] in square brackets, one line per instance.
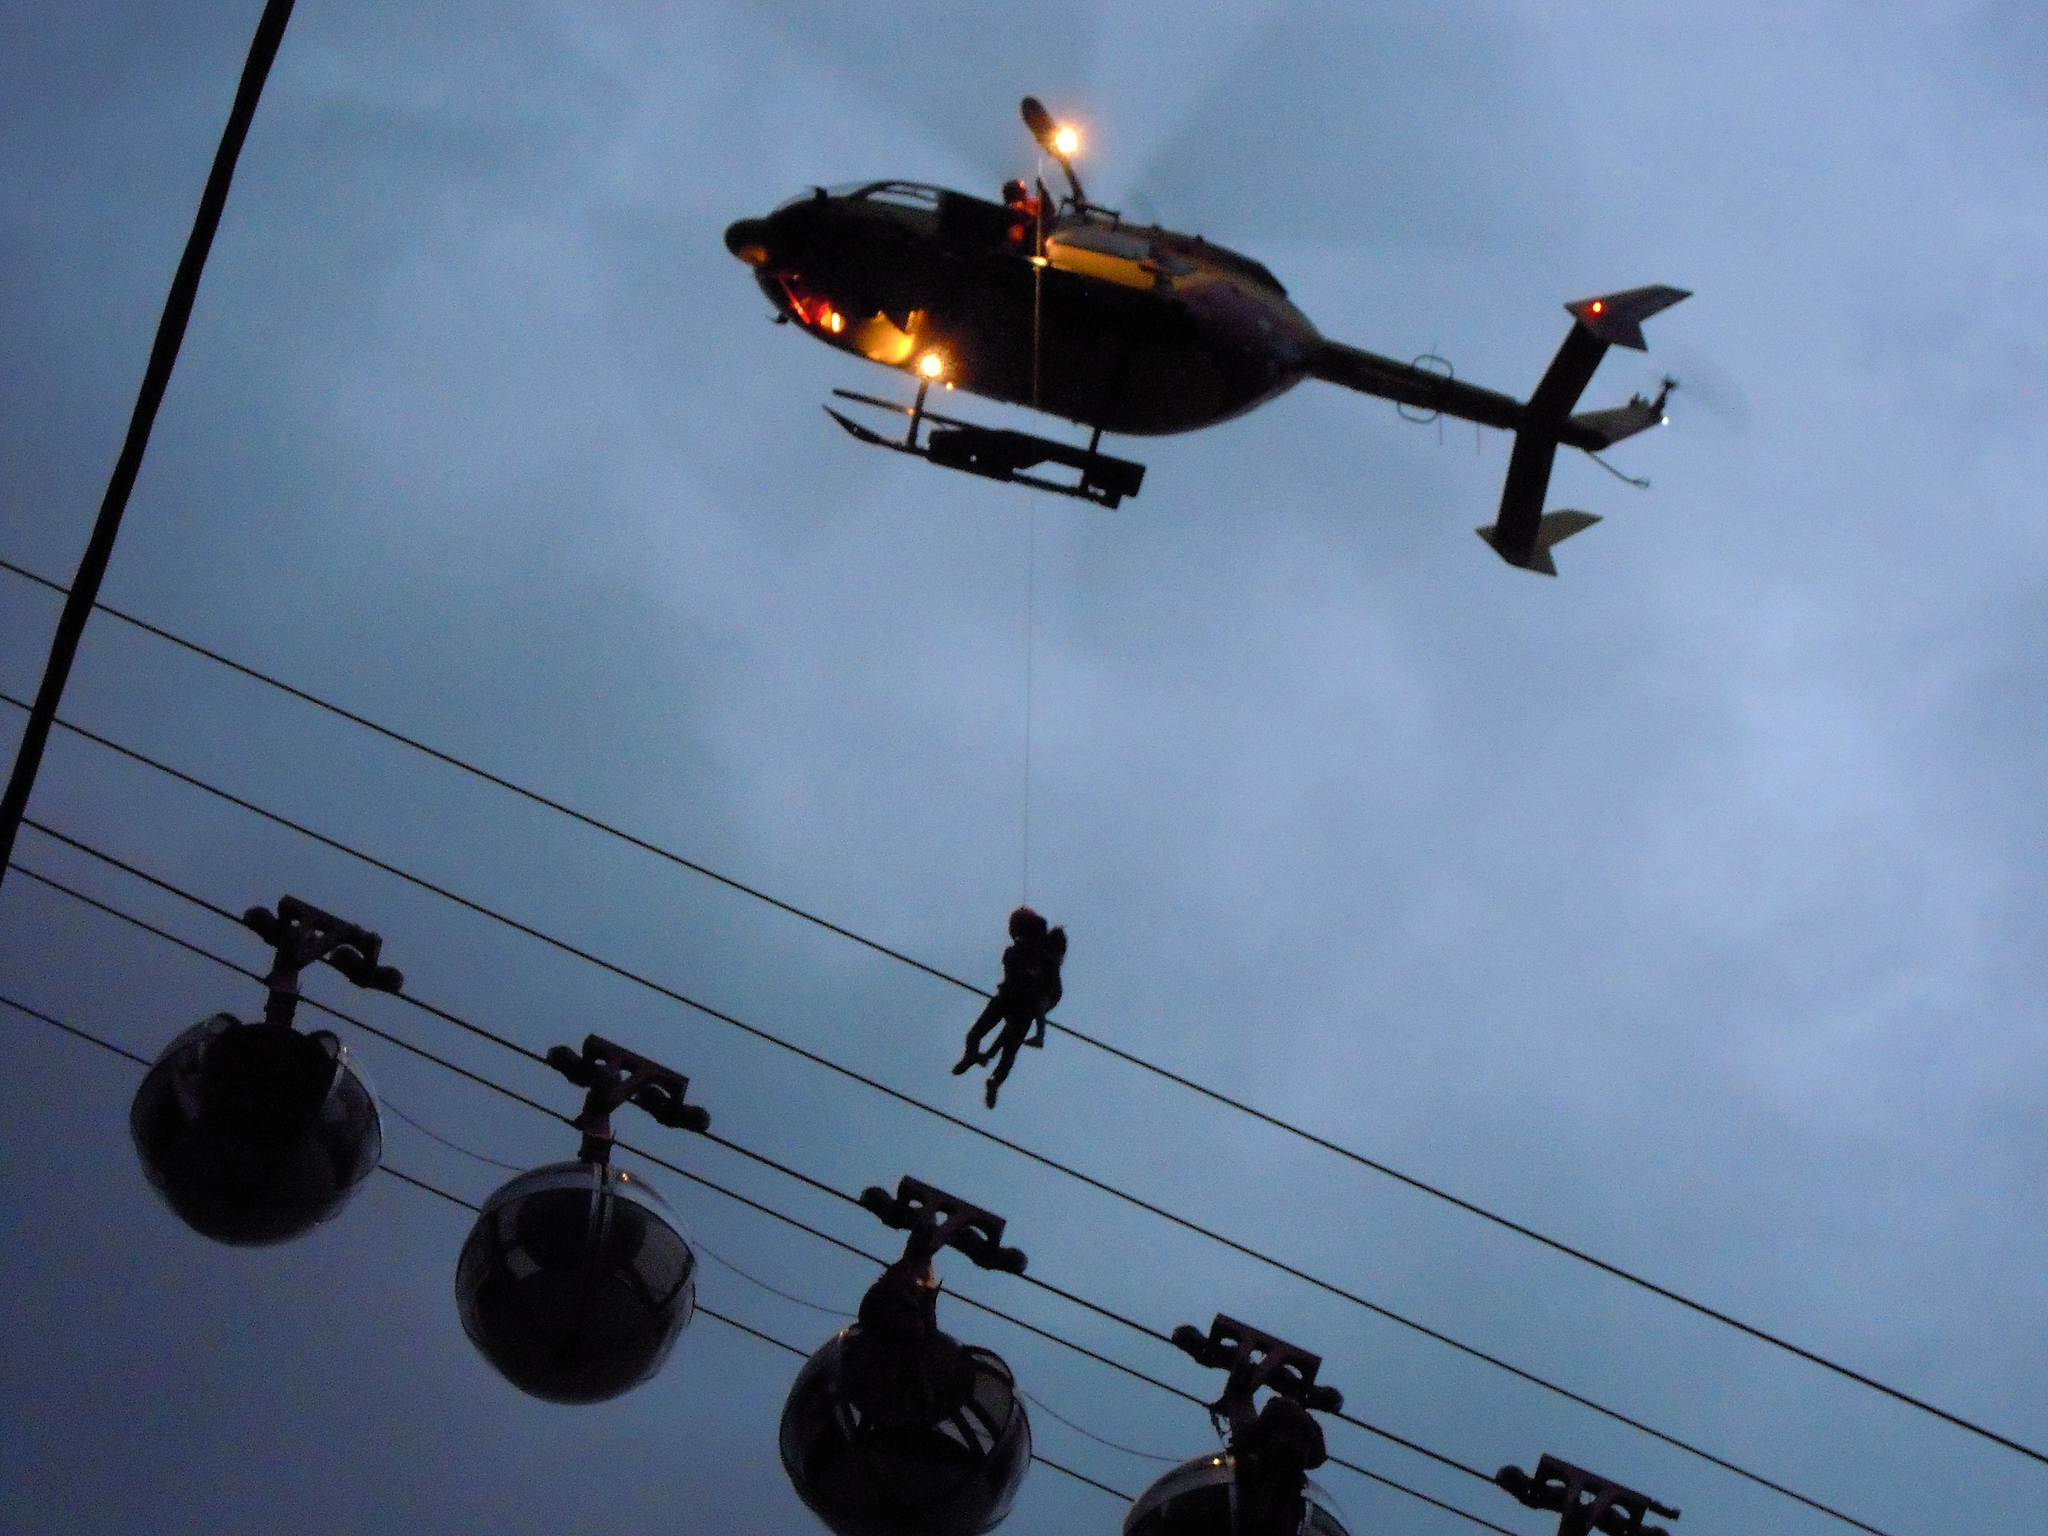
[795, 1222]
[477, 1030]
[1141, 1203]
[471, 1206]
[1422, 1186]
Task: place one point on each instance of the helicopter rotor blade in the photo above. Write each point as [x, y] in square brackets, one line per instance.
[957, 116]
[1046, 131]
[1337, 124]
[1707, 389]
[1039, 121]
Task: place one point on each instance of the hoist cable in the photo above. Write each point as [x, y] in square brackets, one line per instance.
[1030, 662]
[1421, 1186]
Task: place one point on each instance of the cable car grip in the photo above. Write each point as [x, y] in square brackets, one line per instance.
[1584, 1501]
[615, 1077]
[301, 934]
[935, 1220]
[1255, 1359]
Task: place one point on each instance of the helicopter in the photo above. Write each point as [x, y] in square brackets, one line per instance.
[1133, 329]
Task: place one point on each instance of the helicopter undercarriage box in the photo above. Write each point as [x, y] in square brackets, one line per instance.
[998, 453]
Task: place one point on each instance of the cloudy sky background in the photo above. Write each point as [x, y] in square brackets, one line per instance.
[1687, 907]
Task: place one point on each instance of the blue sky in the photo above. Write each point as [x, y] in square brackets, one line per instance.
[1686, 907]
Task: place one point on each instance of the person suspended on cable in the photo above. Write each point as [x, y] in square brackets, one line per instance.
[1030, 989]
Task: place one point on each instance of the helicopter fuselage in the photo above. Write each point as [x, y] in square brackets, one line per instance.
[1129, 328]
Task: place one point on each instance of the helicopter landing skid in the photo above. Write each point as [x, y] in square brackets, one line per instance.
[996, 453]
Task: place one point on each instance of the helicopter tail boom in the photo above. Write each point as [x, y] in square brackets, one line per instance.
[1523, 535]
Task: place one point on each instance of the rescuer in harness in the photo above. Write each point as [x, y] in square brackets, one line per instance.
[1024, 214]
[1030, 989]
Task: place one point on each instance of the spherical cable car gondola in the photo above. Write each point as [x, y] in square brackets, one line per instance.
[256, 1133]
[574, 1282]
[1259, 1484]
[894, 1428]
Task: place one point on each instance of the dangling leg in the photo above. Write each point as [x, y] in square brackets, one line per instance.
[970, 1055]
[1007, 1045]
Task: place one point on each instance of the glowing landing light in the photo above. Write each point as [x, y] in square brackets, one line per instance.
[1066, 139]
[1596, 306]
[931, 366]
[833, 321]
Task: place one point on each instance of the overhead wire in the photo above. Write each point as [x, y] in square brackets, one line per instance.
[471, 1206]
[820, 1185]
[767, 1210]
[1088, 1434]
[453, 1146]
[733, 1195]
[697, 1243]
[149, 398]
[758, 1283]
[1139, 1202]
[1193, 1085]
[432, 1189]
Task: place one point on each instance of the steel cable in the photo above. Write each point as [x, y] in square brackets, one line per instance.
[1422, 1186]
[1068, 1170]
[707, 1183]
[472, 1207]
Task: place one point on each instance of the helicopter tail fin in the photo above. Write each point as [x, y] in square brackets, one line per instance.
[1523, 533]
[1551, 528]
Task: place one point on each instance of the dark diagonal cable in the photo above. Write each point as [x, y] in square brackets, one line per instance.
[733, 1195]
[471, 1206]
[1069, 1171]
[149, 398]
[1281, 1265]
[1422, 1186]
[75, 1032]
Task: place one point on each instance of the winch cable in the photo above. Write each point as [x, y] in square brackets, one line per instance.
[1030, 667]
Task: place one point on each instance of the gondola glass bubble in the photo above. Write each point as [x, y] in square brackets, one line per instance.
[574, 1282]
[950, 1474]
[1196, 1499]
[255, 1133]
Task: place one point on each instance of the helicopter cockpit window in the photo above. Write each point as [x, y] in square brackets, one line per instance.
[904, 194]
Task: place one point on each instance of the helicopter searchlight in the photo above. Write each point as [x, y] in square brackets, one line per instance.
[1064, 307]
